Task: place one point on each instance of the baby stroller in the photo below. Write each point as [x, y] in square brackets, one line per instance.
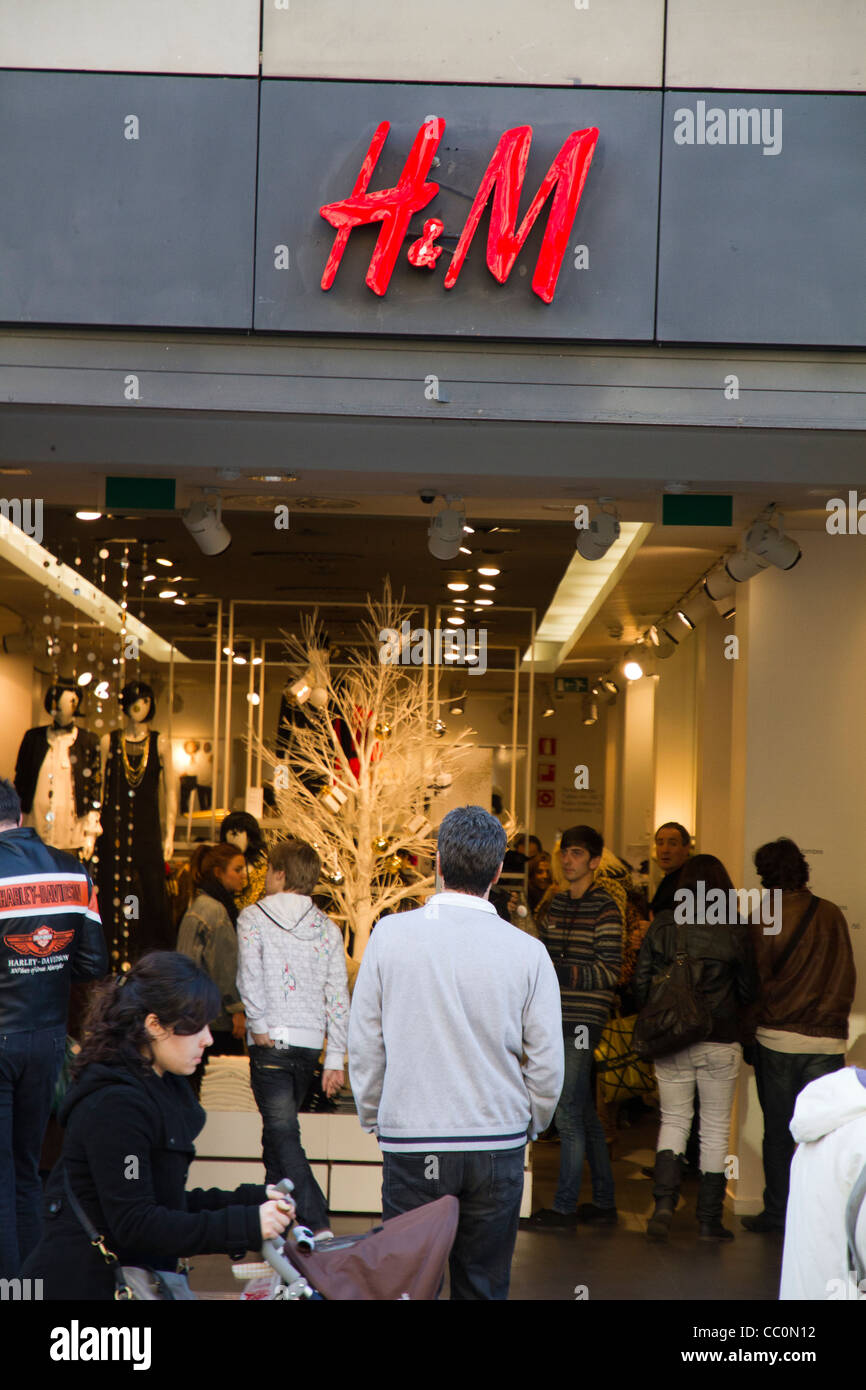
[404, 1258]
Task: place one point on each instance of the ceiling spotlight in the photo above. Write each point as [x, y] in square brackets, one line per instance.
[589, 710]
[596, 539]
[456, 619]
[257, 661]
[148, 578]
[204, 522]
[228, 651]
[490, 588]
[694, 609]
[253, 698]
[104, 553]
[181, 602]
[457, 707]
[631, 668]
[239, 660]
[439, 728]
[771, 545]
[464, 550]
[484, 603]
[88, 516]
[168, 563]
[468, 530]
[610, 685]
[445, 531]
[85, 678]
[457, 586]
[102, 690]
[272, 477]
[168, 593]
[490, 570]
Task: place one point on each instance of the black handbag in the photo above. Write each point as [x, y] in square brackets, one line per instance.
[132, 1283]
[676, 1015]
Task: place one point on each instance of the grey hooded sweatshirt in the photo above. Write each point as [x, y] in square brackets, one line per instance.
[292, 975]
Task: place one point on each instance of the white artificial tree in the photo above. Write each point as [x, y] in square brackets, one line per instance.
[360, 821]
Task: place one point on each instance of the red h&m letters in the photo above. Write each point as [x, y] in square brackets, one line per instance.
[503, 179]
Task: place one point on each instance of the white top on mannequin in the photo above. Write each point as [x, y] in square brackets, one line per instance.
[136, 729]
[53, 814]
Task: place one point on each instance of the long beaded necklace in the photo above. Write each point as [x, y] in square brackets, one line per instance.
[134, 775]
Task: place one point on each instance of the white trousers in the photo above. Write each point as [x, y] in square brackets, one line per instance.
[713, 1067]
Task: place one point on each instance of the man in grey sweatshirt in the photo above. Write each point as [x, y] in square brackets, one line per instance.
[456, 1053]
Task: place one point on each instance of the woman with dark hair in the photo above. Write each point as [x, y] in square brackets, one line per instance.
[242, 830]
[208, 936]
[131, 1120]
[723, 971]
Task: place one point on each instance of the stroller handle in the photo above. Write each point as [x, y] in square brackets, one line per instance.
[274, 1250]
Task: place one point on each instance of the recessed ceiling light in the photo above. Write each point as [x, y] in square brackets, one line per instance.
[148, 579]
[272, 477]
[168, 563]
[228, 651]
[257, 661]
[490, 587]
[470, 530]
[88, 516]
[456, 619]
[484, 603]
[464, 550]
[15, 472]
[488, 569]
[168, 593]
[181, 602]
[457, 586]
[240, 661]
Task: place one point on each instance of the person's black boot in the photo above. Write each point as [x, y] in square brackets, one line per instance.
[711, 1198]
[666, 1191]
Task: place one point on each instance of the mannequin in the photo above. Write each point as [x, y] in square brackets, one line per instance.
[131, 858]
[57, 776]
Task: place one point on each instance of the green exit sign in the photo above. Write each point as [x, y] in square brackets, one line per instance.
[139, 494]
[691, 509]
[571, 685]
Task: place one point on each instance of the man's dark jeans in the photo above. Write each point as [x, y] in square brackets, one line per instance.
[781, 1077]
[280, 1078]
[489, 1186]
[29, 1067]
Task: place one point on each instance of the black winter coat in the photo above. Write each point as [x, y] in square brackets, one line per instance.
[723, 969]
[127, 1150]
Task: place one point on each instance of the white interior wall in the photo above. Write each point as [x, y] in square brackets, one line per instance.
[675, 737]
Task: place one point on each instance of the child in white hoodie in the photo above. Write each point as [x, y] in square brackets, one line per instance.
[292, 980]
[829, 1125]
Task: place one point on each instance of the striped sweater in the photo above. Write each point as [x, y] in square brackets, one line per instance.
[584, 938]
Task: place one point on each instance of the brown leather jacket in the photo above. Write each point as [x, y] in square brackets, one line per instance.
[814, 992]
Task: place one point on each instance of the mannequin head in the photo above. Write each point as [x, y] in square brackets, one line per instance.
[138, 702]
[241, 829]
[62, 703]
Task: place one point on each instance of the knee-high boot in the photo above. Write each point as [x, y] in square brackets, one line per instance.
[711, 1198]
[666, 1190]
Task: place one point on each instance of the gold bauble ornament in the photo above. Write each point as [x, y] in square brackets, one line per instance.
[382, 729]
[381, 843]
[439, 728]
[394, 865]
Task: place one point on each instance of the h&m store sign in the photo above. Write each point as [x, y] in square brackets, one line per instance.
[391, 209]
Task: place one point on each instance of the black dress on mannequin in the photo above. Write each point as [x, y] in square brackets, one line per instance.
[130, 853]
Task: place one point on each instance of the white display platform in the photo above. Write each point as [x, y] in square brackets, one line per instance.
[345, 1160]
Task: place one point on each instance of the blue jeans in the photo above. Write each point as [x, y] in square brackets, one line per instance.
[280, 1078]
[580, 1132]
[29, 1067]
[489, 1187]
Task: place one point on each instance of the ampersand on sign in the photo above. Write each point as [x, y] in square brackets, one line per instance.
[422, 252]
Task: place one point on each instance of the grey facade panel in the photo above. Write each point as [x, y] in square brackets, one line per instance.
[314, 137]
[759, 246]
[101, 228]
